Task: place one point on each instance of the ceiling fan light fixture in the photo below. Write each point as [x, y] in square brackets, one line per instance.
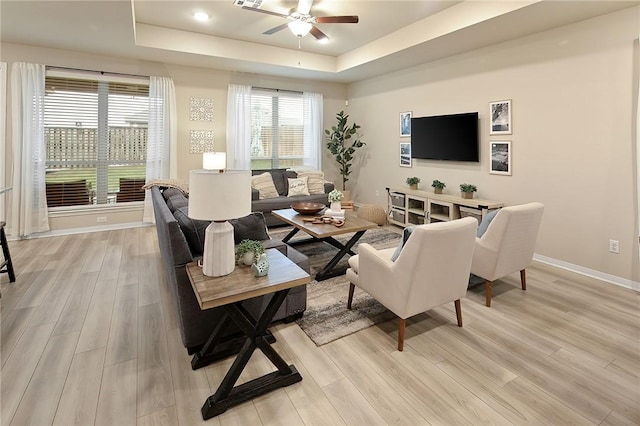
[300, 28]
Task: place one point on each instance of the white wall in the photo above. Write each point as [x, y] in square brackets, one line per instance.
[572, 92]
[189, 82]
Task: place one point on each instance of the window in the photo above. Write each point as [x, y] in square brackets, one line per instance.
[95, 140]
[277, 129]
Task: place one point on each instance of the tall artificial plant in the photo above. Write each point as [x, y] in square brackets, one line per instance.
[342, 141]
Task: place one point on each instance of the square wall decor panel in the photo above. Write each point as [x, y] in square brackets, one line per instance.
[201, 109]
[201, 141]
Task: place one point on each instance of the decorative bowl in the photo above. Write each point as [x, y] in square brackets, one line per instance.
[307, 208]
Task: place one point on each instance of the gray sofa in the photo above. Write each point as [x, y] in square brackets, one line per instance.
[280, 177]
[181, 240]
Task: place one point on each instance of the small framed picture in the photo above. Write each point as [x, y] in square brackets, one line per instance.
[405, 124]
[500, 113]
[500, 157]
[405, 154]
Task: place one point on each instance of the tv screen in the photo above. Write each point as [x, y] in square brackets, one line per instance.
[445, 137]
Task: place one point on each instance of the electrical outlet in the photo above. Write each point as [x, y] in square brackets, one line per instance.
[614, 246]
[102, 219]
[377, 193]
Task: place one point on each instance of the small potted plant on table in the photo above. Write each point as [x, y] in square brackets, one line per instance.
[437, 186]
[467, 190]
[249, 251]
[413, 182]
[334, 198]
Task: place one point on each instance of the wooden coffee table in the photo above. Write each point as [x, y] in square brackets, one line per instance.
[326, 233]
[228, 292]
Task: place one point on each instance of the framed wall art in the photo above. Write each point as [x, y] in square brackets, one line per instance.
[500, 157]
[405, 124]
[500, 113]
[405, 154]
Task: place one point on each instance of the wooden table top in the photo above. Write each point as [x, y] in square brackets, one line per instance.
[352, 223]
[241, 284]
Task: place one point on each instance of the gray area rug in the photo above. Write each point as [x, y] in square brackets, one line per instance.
[327, 317]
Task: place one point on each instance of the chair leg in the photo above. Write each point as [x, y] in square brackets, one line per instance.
[487, 290]
[458, 312]
[401, 326]
[523, 279]
[350, 299]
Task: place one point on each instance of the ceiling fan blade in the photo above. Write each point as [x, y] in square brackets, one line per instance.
[304, 6]
[337, 19]
[319, 35]
[275, 29]
[268, 12]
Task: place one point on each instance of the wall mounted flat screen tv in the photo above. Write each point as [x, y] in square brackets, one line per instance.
[451, 137]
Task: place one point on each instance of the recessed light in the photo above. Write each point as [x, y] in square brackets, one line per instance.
[324, 40]
[201, 16]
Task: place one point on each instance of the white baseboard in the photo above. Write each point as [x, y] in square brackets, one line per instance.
[622, 282]
[85, 230]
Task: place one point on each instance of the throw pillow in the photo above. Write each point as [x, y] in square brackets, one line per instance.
[298, 186]
[486, 220]
[264, 185]
[315, 181]
[252, 227]
[405, 236]
[192, 229]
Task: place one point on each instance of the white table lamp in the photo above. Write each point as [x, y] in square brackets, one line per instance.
[219, 195]
[214, 160]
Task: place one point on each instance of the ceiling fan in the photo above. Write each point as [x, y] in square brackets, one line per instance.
[301, 21]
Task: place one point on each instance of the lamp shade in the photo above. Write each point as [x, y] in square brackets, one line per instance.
[219, 195]
[214, 160]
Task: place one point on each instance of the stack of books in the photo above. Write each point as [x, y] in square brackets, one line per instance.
[347, 204]
[334, 213]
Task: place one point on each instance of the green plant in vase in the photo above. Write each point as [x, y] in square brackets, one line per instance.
[438, 186]
[334, 198]
[467, 190]
[248, 251]
[342, 142]
[413, 182]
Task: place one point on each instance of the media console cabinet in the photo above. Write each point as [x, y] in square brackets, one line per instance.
[415, 207]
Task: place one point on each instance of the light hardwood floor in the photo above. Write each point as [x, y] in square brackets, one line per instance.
[89, 336]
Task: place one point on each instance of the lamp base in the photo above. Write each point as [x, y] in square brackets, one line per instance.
[219, 257]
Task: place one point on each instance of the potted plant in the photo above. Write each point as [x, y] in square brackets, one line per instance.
[335, 197]
[249, 251]
[437, 186]
[413, 182]
[342, 141]
[467, 190]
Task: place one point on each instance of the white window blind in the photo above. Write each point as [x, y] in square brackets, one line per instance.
[96, 139]
[277, 129]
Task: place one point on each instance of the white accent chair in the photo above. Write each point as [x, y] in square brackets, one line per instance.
[432, 269]
[507, 245]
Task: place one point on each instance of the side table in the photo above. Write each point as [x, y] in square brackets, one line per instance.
[228, 292]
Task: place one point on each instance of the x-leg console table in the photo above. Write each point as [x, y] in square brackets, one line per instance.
[228, 292]
[326, 233]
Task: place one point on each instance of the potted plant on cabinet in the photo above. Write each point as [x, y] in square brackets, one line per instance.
[437, 186]
[413, 182]
[467, 190]
[249, 251]
[342, 141]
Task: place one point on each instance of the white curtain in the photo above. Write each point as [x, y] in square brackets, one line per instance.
[162, 139]
[313, 133]
[239, 127]
[29, 203]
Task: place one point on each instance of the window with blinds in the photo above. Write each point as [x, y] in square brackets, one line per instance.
[277, 136]
[95, 141]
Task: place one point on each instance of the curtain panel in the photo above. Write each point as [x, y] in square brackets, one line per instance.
[313, 133]
[28, 213]
[239, 127]
[162, 137]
